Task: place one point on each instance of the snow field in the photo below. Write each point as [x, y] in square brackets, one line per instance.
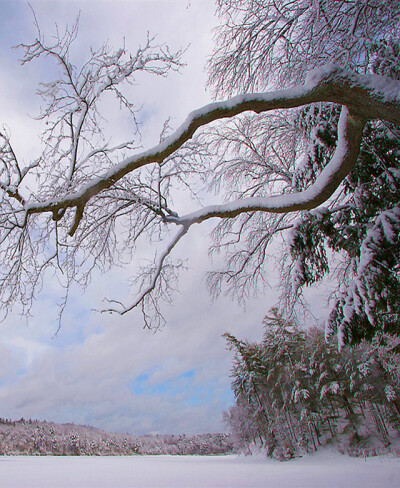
[319, 471]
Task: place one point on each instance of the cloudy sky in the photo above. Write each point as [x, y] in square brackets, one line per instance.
[103, 370]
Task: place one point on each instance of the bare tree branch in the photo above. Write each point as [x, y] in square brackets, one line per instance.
[155, 272]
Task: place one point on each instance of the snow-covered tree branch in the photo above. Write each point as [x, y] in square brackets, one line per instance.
[366, 97]
[271, 157]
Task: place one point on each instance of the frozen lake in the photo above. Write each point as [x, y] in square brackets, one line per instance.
[329, 471]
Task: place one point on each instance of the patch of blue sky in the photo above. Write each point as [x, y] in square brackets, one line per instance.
[183, 385]
[175, 386]
[209, 392]
[20, 372]
[138, 385]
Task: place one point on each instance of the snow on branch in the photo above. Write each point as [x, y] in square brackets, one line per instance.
[365, 96]
[343, 160]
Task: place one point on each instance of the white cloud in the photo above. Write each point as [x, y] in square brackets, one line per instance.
[89, 380]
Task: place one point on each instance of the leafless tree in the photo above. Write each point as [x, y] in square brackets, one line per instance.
[88, 203]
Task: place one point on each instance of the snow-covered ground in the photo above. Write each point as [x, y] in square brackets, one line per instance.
[319, 471]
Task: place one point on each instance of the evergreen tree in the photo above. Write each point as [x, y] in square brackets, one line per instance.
[295, 391]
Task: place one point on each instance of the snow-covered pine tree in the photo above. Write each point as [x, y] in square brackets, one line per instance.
[295, 391]
[264, 378]
[357, 235]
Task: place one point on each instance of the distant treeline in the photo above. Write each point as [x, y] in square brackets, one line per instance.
[34, 437]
